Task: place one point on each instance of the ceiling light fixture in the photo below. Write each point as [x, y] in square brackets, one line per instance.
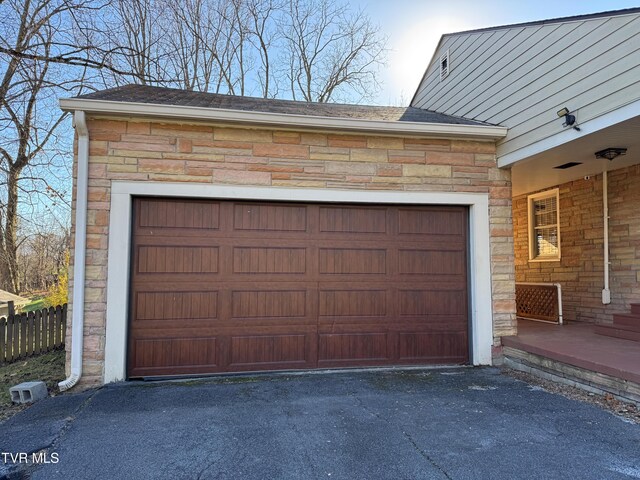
[611, 153]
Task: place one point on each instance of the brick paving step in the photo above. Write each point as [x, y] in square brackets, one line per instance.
[617, 332]
[635, 308]
[627, 319]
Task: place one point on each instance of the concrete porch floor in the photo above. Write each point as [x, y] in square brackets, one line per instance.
[578, 346]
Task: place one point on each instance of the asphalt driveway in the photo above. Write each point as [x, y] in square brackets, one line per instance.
[436, 424]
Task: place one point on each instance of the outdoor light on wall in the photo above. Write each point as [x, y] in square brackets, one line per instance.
[611, 153]
[569, 119]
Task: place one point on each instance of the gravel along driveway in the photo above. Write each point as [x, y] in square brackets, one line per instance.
[466, 423]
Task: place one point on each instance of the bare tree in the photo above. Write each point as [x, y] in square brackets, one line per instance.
[313, 50]
[42, 257]
[265, 37]
[134, 37]
[195, 45]
[234, 60]
[193, 41]
[329, 51]
[39, 36]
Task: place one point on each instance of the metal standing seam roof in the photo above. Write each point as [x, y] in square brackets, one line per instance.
[171, 96]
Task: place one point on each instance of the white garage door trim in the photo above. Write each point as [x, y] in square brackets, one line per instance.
[120, 247]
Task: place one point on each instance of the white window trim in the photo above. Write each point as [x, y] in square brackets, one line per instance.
[120, 248]
[531, 231]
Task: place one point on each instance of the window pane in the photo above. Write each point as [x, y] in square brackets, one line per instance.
[546, 241]
[545, 212]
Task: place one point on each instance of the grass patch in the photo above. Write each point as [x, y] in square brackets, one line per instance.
[36, 304]
[48, 367]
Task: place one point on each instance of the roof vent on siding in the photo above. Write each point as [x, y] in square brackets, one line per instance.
[444, 65]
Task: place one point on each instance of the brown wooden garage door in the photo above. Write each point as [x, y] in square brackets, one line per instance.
[220, 286]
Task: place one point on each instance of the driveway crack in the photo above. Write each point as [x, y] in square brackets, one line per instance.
[204, 469]
[426, 456]
[70, 419]
[28, 469]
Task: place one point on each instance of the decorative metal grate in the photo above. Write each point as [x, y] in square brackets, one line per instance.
[539, 301]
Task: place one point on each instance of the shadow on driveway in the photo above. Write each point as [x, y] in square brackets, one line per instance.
[433, 424]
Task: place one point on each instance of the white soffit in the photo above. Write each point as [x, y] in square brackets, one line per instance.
[568, 135]
[537, 172]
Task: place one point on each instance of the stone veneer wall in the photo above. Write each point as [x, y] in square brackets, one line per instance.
[580, 270]
[122, 149]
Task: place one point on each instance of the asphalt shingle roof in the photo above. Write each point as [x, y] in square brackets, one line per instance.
[172, 96]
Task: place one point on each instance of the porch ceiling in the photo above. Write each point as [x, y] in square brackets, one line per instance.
[537, 172]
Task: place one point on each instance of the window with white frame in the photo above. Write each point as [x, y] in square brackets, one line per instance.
[544, 226]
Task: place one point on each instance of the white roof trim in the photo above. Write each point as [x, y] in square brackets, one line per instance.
[283, 120]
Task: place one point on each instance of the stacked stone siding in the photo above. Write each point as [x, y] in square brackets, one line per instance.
[580, 270]
[125, 149]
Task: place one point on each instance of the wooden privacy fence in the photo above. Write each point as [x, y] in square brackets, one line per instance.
[539, 301]
[27, 334]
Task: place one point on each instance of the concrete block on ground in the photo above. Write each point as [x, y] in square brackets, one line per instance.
[28, 392]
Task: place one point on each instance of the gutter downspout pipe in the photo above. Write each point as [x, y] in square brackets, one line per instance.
[606, 293]
[80, 249]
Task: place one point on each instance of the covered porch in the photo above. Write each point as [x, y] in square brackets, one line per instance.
[577, 229]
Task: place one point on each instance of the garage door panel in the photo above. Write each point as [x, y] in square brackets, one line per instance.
[153, 353]
[350, 348]
[430, 262]
[361, 261]
[270, 260]
[270, 351]
[272, 286]
[177, 259]
[425, 302]
[352, 303]
[434, 222]
[171, 214]
[171, 305]
[350, 219]
[275, 218]
[268, 303]
[433, 346]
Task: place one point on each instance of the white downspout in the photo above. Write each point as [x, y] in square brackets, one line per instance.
[77, 319]
[560, 318]
[606, 293]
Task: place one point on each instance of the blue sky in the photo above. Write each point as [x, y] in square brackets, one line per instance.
[415, 26]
